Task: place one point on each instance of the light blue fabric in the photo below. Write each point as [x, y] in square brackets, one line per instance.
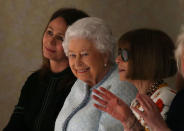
[78, 112]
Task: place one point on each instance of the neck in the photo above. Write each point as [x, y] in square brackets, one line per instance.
[58, 66]
[99, 78]
[142, 85]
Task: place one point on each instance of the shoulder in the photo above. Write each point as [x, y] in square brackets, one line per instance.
[176, 112]
[166, 94]
[167, 89]
[180, 94]
[122, 89]
[34, 75]
[177, 103]
[31, 79]
[179, 98]
[126, 91]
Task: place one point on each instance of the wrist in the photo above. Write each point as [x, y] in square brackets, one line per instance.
[161, 128]
[130, 123]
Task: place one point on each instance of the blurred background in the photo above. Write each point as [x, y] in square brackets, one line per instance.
[22, 23]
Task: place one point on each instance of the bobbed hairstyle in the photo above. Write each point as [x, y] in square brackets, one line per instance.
[95, 30]
[151, 54]
[70, 15]
[179, 52]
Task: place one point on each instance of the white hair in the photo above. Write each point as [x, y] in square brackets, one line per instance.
[93, 29]
[179, 50]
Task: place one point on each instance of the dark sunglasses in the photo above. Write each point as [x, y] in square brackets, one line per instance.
[124, 54]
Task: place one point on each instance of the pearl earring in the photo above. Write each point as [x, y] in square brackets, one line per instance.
[105, 65]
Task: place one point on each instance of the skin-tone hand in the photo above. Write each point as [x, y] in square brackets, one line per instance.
[114, 106]
[151, 113]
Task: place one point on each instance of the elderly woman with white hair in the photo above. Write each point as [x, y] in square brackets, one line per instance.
[176, 112]
[90, 47]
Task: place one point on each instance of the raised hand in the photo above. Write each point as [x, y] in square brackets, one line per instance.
[114, 106]
[151, 113]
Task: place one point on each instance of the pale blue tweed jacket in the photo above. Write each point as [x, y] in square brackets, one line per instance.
[78, 112]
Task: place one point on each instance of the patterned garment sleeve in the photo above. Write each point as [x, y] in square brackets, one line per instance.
[163, 98]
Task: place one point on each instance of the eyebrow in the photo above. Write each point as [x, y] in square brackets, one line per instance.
[80, 51]
[61, 34]
[50, 27]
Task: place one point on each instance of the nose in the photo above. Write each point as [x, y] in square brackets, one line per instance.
[118, 59]
[78, 61]
[52, 40]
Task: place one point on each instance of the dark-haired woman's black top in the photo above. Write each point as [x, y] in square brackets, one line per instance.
[40, 101]
[175, 118]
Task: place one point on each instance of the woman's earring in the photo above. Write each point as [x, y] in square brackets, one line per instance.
[105, 65]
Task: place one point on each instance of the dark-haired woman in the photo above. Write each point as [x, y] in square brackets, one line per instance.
[44, 92]
[146, 57]
[175, 114]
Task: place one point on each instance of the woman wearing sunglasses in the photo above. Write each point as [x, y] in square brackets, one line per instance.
[145, 58]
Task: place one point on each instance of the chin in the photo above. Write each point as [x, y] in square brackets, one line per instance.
[82, 78]
[49, 57]
[122, 78]
[85, 80]
[46, 56]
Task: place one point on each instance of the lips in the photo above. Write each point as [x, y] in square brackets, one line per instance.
[121, 70]
[50, 50]
[83, 70]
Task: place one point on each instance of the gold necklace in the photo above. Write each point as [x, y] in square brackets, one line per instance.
[154, 86]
